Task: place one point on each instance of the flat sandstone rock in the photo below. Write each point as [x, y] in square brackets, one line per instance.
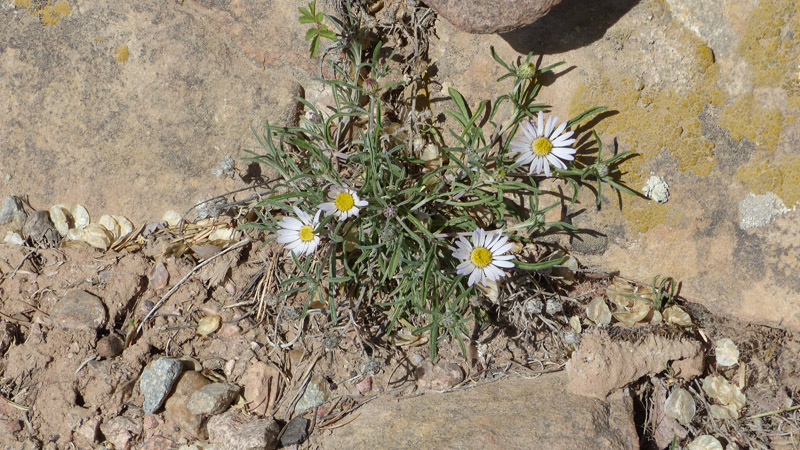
[510, 413]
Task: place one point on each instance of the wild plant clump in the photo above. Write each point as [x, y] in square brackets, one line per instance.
[376, 205]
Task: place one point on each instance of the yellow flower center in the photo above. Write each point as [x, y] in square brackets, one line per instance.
[481, 257]
[344, 201]
[541, 146]
[306, 233]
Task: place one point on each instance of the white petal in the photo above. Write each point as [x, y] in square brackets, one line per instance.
[548, 129]
[303, 216]
[527, 130]
[493, 273]
[519, 146]
[556, 162]
[559, 129]
[524, 159]
[540, 123]
[465, 268]
[563, 140]
[501, 263]
[547, 172]
[477, 275]
[290, 223]
[294, 244]
[286, 239]
[563, 153]
[498, 243]
[499, 251]
[541, 165]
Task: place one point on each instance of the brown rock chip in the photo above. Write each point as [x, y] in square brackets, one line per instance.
[79, 310]
[176, 408]
[235, 431]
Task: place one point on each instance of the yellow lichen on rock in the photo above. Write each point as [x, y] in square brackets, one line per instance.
[745, 118]
[780, 176]
[121, 53]
[648, 122]
[50, 13]
[771, 42]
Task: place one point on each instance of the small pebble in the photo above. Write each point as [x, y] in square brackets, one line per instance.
[175, 408]
[79, 310]
[151, 421]
[440, 377]
[213, 398]
[39, 228]
[316, 393]
[364, 385]
[158, 276]
[11, 211]
[119, 431]
[157, 380]
[296, 432]
[233, 431]
[110, 346]
[157, 443]
[11, 426]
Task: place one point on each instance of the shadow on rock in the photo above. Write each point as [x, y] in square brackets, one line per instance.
[569, 25]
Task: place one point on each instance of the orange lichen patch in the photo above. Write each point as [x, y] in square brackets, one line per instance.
[780, 176]
[771, 42]
[50, 13]
[746, 118]
[121, 53]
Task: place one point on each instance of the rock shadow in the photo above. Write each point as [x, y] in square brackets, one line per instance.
[571, 24]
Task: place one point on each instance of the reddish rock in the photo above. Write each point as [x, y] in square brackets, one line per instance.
[10, 426]
[158, 443]
[235, 431]
[256, 382]
[491, 16]
[176, 405]
[438, 377]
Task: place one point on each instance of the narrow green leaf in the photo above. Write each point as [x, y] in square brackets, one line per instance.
[540, 265]
[589, 112]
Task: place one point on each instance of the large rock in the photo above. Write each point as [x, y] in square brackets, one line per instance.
[514, 413]
[128, 108]
[491, 16]
[708, 97]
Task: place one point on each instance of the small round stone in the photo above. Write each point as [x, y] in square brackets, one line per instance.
[110, 346]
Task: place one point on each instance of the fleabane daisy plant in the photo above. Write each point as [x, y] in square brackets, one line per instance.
[542, 143]
[483, 259]
[345, 203]
[298, 234]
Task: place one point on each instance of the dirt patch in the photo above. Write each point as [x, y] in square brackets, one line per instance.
[57, 390]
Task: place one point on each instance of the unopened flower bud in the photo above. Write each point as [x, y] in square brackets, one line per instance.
[526, 70]
[370, 85]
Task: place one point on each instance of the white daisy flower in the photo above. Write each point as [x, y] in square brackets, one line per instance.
[541, 144]
[345, 203]
[483, 258]
[298, 233]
